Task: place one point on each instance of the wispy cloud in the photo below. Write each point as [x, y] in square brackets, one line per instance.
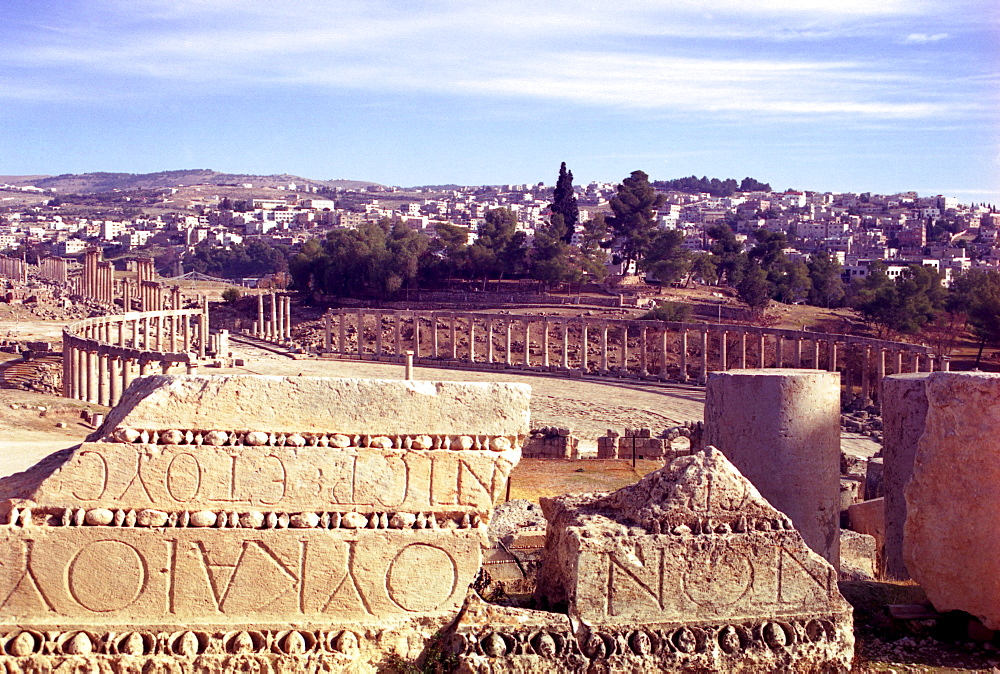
[638, 55]
[923, 38]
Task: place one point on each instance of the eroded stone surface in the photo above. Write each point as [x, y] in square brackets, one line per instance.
[953, 498]
[320, 404]
[689, 569]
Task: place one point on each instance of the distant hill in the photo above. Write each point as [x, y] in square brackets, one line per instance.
[89, 183]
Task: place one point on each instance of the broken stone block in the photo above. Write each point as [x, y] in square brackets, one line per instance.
[284, 534]
[952, 500]
[858, 556]
[689, 569]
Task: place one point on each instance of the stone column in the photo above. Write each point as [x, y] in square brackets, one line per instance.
[272, 329]
[472, 337]
[454, 338]
[584, 361]
[604, 348]
[114, 382]
[203, 327]
[832, 356]
[342, 328]
[643, 368]
[916, 362]
[489, 341]
[186, 332]
[623, 365]
[565, 343]
[102, 379]
[378, 335]
[92, 391]
[545, 343]
[67, 368]
[434, 335]
[781, 429]
[327, 332]
[704, 357]
[798, 353]
[143, 367]
[779, 348]
[397, 339]
[507, 355]
[361, 334]
[82, 379]
[760, 351]
[684, 355]
[527, 342]
[663, 353]
[743, 351]
[898, 369]
[260, 332]
[815, 360]
[416, 335]
[723, 351]
[288, 317]
[904, 411]
[880, 365]
[280, 323]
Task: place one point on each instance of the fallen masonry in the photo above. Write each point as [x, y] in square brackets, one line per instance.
[246, 523]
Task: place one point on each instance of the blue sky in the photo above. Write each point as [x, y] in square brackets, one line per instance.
[860, 95]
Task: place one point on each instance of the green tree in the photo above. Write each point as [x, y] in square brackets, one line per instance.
[703, 267]
[564, 203]
[903, 304]
[499, 248]
[827, 283]
[634, 220]
[668, 311]
[730, 260]
[667, 261]
[976, 293]
[754, 290]
[791, 281]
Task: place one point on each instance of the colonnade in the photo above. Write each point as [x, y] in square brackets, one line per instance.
[54, 269]
[14, 268]
[274, 321]
[626, 348]
[102, 355]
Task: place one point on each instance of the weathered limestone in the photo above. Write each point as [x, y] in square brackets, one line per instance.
[904, 409]
[277, 524]
[690, 569]
[781, 428]
[952, 531]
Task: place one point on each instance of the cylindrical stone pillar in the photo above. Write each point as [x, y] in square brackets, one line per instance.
[507, 354]
[584, 364]
[378, 335]
[643, 356]
[623, 366]
[781, 429]
[703, 377]
[565, 344]
[684, 355]
[545, 343]
[454, 337]
[723, 352]
[904, 411]
[114, 382]
[779, 348]
[760, 351]
[489, 341]
[342, 330]
[663, 353]
[434, 336]
[527, 343]
[472, 337]
[604, 347]
[397, 340]
[743, 351]
[260, 316]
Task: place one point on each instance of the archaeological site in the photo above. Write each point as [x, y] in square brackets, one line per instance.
[812, 489]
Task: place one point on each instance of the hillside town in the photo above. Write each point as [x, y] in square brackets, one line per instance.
[854, 229]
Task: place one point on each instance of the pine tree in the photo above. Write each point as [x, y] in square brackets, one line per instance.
[564, 203]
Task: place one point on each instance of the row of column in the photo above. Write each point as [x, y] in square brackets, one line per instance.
[14, 268]
[98, 277]
[275, 324]
[98, 372]
[621, 347]
[54, 269]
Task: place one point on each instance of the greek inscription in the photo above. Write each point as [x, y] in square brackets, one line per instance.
[26, 595]
[104, 476]
[87, 579]
[625, 576]
[410, 586]
[183, 477]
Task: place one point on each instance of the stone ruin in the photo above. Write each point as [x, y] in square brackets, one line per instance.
[645, 446]
[271, 524]
[214, 524]
[690, 569]
[551, 442]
